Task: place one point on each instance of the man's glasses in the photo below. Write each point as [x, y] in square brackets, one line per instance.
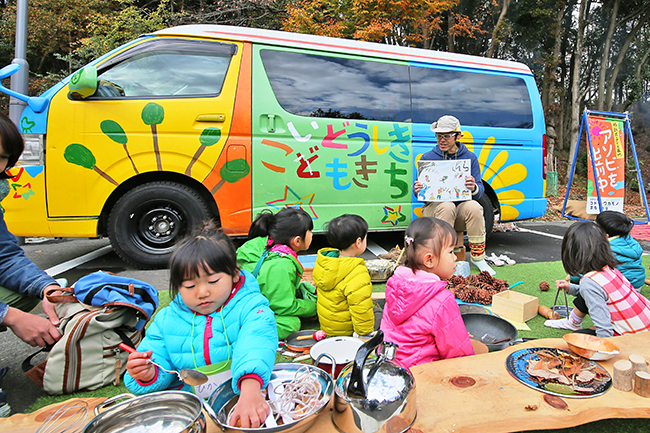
[446, 136]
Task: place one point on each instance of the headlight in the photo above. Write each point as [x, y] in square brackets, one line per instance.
[33, 153]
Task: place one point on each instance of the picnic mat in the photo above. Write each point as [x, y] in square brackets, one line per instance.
[641, 232]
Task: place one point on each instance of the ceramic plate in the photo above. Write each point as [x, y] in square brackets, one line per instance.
[517, 362]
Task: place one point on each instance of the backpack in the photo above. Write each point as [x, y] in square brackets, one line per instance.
[101, 311]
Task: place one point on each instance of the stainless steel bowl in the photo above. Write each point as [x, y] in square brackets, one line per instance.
[223, 399]
[164, 412]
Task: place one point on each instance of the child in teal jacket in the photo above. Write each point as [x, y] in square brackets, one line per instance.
[271, 255]
[217, 318]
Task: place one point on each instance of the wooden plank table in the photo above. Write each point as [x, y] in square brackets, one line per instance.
[496, 403]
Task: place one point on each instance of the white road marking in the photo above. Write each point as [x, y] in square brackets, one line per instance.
[70, 264]
[548, 235]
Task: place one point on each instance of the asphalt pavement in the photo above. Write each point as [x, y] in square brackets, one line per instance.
[534, 242]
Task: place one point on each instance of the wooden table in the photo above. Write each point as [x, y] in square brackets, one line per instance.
[496, 403]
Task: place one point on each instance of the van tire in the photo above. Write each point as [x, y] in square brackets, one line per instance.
[488, 214]
[147, 221]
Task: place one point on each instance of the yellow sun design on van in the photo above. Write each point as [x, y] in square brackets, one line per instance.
[499, 175]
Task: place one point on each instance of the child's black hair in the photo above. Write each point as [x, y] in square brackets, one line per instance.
[12, 143]
[427, 232]
[614, 223]
[282, 226]
[585, 249]
[344, 230]
[209, 249]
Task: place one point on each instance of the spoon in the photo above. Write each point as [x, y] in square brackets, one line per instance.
[186, 375]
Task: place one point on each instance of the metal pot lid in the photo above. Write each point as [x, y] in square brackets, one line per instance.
[166, 411]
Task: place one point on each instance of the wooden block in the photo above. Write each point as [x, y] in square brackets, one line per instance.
[642, 384]
[623, 375]
[544, 311]
[638, 363]
[515, 305]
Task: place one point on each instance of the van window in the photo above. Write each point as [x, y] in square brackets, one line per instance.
[324, 86]
[475, 99]
[171, 68]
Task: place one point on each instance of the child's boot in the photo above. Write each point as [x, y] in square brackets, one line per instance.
[477, 255]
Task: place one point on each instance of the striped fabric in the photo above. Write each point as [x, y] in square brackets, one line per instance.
[630, 310]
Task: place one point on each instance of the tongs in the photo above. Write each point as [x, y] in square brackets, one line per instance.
[566, 302]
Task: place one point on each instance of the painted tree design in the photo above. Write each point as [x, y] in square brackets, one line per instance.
[209, 137]
[115, 132]
[80, 155]
[153, 115]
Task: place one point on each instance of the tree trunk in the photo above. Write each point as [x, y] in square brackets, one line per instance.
[637, 78]
[495, 32]
[604, 62]
[450, 35]
[575, 81]
[621, 57]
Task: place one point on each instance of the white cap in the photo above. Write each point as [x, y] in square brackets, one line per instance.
[446, 124]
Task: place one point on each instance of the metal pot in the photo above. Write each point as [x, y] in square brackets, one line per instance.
[493, 331]
[374, 394]
[165, 411]
[223, 399]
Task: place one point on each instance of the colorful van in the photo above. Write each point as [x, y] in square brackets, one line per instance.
[203, 121]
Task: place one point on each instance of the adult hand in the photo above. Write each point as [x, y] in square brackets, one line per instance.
[470, 183]
[32, 329]
[251, 409]
[139, 366]
[417, 187]
[49, 308]
[563, 284]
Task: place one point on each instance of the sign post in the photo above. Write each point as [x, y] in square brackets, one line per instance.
[606, 133]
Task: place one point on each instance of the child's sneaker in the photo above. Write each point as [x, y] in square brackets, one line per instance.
[483, 266]
[565, 323]
[5, 410]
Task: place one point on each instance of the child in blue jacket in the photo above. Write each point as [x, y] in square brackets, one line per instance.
[217, 318]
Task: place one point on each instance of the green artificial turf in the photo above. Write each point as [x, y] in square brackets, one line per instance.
[530, 273]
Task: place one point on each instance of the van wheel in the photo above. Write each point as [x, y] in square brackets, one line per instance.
[488, 214]
[146, 222]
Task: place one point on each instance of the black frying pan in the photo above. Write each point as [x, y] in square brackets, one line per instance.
[498, 330]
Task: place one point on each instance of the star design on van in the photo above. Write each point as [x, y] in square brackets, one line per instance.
[22, 191]
[393, 215]
[288, 201]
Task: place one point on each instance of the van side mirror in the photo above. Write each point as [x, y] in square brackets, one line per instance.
[83, 83]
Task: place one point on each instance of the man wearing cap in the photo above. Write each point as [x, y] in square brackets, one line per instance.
[462, 215]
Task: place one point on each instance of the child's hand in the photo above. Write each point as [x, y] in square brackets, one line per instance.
[139, 367]
[417, 186]
[563, 284]
[251, 409]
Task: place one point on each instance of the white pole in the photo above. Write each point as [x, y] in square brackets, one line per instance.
[20, 80]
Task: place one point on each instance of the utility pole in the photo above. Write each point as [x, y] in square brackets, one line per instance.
[20, 80]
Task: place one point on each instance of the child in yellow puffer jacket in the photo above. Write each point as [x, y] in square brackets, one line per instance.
[344, 288]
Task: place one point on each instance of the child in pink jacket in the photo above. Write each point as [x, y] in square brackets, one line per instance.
[421, 316]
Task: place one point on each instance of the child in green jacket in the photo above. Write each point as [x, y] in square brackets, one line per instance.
[344, 288]
[271, 255]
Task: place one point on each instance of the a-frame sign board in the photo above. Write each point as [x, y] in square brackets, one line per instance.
[627, 133]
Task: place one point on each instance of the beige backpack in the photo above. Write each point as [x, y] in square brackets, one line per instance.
[87, 356]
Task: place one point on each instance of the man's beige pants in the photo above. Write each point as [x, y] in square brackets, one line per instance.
[467, 215]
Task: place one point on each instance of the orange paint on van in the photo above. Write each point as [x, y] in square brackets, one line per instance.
[234, 199]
